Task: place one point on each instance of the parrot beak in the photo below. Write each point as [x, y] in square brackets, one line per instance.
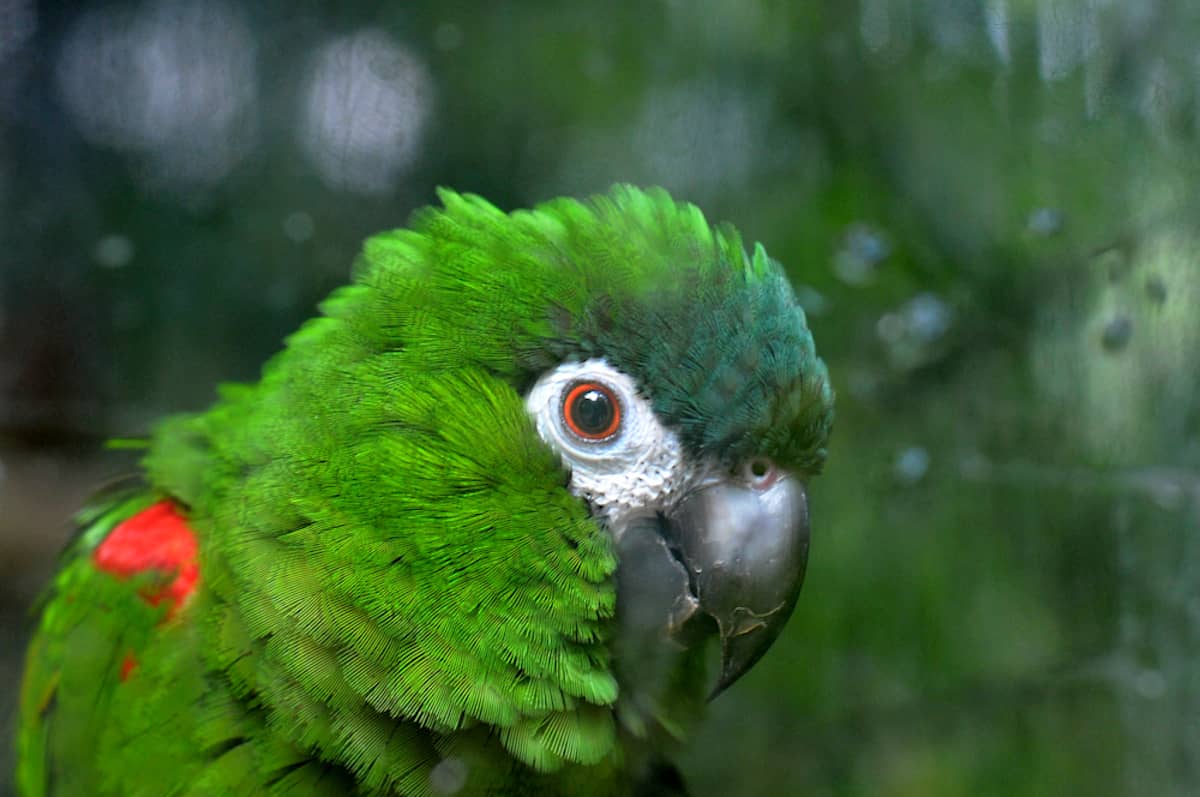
[745, 548]
[729, 552]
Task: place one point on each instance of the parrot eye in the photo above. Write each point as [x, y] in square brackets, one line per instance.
[760, 473]
[591, 411]
[619, 456]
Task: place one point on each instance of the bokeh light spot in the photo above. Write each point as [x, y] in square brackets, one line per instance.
[173, 82]
[366, 107]
[114, 251]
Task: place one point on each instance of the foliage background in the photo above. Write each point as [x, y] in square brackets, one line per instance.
[987, 206]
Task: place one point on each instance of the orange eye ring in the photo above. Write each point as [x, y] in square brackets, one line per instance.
[591, 411]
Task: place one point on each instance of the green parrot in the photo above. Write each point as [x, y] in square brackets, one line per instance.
[472, 532]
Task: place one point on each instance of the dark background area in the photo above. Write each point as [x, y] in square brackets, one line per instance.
[988, 209]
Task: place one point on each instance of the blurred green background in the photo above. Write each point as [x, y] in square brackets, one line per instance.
[988, 208]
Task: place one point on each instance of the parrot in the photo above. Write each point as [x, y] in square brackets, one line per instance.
[527, 493]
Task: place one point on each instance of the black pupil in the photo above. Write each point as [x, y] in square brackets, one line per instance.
[592, 412]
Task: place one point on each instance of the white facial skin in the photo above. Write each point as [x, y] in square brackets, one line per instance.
[638, 470]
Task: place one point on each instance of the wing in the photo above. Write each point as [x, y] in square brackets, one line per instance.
[91, 622]
[117, 698]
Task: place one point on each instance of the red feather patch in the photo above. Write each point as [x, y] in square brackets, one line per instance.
[157, 538]
[128, 665]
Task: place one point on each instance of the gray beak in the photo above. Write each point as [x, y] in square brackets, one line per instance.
[731, 551]
[745, 549]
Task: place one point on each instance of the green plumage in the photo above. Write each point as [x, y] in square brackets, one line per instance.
[393, 571]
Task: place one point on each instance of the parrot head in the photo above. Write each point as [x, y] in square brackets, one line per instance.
[689, 408]
[711, 530]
